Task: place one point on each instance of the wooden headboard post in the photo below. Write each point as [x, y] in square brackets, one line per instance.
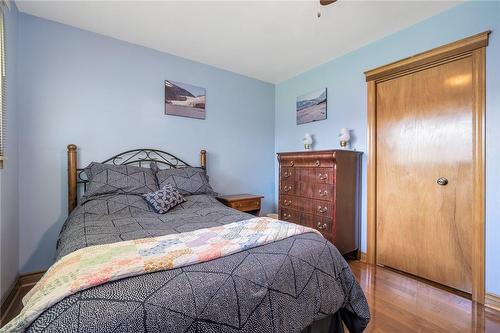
[203, 159]
[72, 174]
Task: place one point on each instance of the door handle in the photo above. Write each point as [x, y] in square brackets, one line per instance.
[442, 181]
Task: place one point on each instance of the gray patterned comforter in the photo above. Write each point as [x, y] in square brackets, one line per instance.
[278, 287]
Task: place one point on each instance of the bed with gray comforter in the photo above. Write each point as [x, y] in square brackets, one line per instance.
[279, 287]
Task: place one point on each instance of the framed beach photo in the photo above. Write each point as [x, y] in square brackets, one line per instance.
[311, 107]
[185, 100]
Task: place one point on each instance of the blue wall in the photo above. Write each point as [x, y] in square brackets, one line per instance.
[9, 227]
[107, 96]
[347, 101]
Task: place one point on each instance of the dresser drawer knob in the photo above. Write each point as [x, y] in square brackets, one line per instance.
[322, 209]
[317, 163]
[323, 193]
[287, 188]
[323, 176]
[287, 202]
[286, 174]
[321, 226]
[286, 216]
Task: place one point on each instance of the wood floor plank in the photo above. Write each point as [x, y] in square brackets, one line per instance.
[399, 303]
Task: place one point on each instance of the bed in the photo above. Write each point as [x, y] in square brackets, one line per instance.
[297, 284]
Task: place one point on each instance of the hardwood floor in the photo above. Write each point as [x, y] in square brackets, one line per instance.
[399, 303]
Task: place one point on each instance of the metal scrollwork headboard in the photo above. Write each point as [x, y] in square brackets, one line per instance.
[138, 157]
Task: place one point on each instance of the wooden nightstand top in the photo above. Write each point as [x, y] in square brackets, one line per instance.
[238, 197]
[248, 203]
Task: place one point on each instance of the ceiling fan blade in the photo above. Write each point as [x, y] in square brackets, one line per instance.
[326, 2]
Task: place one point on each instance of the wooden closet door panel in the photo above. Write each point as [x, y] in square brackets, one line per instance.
[424, 132]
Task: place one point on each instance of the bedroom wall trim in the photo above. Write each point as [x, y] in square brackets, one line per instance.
[474, 47]
[427, 58]
[12, 304]
[492, 301]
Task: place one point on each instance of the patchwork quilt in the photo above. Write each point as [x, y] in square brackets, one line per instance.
[281, 286]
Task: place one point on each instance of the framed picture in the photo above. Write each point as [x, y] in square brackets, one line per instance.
[311, 107]
[185, 100]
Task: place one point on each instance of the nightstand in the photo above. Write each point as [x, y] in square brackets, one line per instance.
[248, 203]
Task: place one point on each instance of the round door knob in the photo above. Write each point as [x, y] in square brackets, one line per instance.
[442, 181]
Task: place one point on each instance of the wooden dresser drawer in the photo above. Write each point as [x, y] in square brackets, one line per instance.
[245, 202]
[325, 226]
[300, 204]
[289, 201]
[287, 174]
[323, 192]
[323, 208]
[322, 224]
[290, 215]
[246, 205]
[305, 205]
[315, 175]
[323, 175]
[288, 187]
[324, 160]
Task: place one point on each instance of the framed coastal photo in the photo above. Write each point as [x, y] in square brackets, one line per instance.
[185, 100]
[311, 107]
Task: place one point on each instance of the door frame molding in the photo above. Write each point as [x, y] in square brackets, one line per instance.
[474, 47]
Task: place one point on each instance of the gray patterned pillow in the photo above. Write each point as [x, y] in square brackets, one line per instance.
[188, 180]
[116, 179]
[164, 199]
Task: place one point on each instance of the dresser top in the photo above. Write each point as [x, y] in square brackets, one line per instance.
[320, 152]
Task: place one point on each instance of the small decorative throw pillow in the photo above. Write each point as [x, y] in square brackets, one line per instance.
[164, 199]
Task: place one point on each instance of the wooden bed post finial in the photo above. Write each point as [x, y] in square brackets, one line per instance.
[72, 174]
[203, 159]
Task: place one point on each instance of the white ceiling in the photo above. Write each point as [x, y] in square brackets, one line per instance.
[268, 40]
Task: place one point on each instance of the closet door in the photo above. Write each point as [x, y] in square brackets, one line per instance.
[424, 173]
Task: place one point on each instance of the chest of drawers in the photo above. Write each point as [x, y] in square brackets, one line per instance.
[322, 190]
